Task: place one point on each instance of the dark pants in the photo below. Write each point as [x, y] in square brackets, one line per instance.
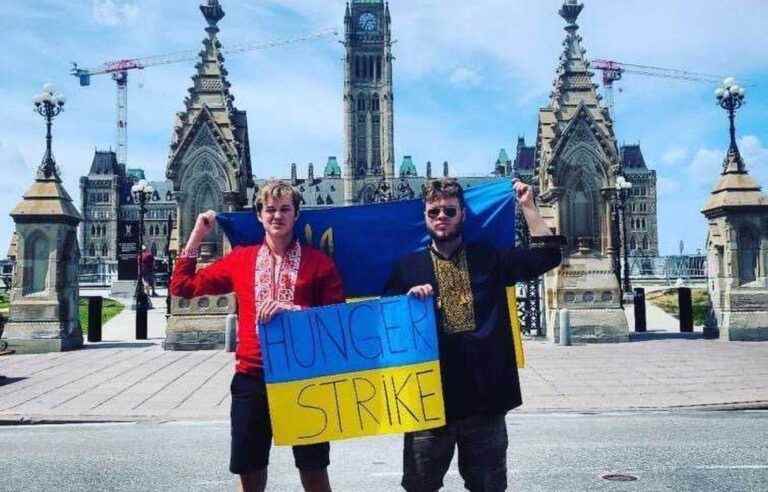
[252, 430]
[482, 442]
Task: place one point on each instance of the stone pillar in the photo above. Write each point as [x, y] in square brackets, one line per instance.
[44, 295]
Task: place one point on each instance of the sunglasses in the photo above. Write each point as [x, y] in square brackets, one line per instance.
[449, 212]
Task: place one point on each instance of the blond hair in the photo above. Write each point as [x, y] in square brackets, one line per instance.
[276, 189]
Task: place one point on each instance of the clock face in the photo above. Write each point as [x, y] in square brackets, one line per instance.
[367, 22]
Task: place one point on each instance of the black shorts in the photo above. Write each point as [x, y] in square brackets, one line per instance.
[252, 430]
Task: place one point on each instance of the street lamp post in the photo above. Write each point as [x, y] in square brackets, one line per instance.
[730, 97]
[169, 259]
[622, 191]
[142, 191]
[48, 104]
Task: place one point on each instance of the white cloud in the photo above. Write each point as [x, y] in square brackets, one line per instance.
[706, 166]
[755, 156]
[465, 77]
[675, 155]
[16, 178]
[114, 12]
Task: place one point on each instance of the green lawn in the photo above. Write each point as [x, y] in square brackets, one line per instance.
[4, 302]
[110, 308]
[667, 300]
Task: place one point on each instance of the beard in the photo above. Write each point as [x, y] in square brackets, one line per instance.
[453, 235]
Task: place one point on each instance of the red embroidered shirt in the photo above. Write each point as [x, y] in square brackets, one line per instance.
[317, 284]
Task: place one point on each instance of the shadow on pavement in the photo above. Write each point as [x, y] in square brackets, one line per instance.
[108, 345]
[4, 381]
[642, 337]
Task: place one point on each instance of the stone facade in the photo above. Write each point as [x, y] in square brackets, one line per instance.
[44, 291]
[107, 205]
[577, 162]
[368, 99]
[641, 210]
[737, 254]
[210, 167]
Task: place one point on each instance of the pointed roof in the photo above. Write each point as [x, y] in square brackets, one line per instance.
[573, 94]
[332, 168]
[632, 157]
[407, 168]
[46, 199]
[136, 174]
[503, 157]
[210, 93]
[736, 188]
[105, 163]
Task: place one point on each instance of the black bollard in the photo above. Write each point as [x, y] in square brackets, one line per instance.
[141, 321]
[640, 322]
[95, 305]
[686, 309]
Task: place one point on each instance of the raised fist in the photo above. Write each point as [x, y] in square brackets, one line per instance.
[205, 223]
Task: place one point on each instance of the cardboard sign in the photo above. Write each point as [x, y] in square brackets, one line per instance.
[352, 370]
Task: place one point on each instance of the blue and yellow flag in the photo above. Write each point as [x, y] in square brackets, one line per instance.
[366, 240]
[353, 370]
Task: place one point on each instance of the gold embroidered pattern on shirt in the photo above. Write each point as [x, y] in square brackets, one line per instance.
[457, 311]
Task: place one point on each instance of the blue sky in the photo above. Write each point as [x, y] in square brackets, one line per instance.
[469, 78]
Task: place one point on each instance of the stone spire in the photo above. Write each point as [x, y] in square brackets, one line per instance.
[210, 88]
[573, 80]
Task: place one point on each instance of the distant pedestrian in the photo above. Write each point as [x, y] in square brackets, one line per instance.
[147, 261]
[477, 359]
[278, 275]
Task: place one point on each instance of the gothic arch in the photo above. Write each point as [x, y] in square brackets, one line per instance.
[749, 253]
[36, 258]
[582, 207]
[204, 161]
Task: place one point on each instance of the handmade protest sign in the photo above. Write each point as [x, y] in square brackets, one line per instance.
[352, 370]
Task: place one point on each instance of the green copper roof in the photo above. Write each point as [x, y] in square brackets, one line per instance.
[503, 157]
[136, 174]
[407, 168]
[332, 167]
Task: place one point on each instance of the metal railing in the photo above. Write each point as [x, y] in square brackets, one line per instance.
[668, 268]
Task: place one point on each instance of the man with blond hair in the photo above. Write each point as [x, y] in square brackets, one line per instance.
[278, 275]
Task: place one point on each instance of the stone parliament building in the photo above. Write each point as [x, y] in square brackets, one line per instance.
[209, 161]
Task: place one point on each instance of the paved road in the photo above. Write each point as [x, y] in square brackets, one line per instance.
[678, 451]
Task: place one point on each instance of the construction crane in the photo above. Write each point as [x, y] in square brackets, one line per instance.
[613, 71]
[119, 69]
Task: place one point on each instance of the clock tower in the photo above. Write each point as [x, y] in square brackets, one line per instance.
[368, 103]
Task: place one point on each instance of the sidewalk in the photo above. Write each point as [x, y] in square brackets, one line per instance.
[124, 379]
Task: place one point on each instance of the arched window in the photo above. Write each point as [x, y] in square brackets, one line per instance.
[581, 216]
[632, 244]
[370, 68]
[361, 103]
[38, 252]
[93, 230]
[645, 242]
[92, 250]
[748, 254]
[165, 229]
[104, 249]
[153, 249]
[378, 68]
[375, 102]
